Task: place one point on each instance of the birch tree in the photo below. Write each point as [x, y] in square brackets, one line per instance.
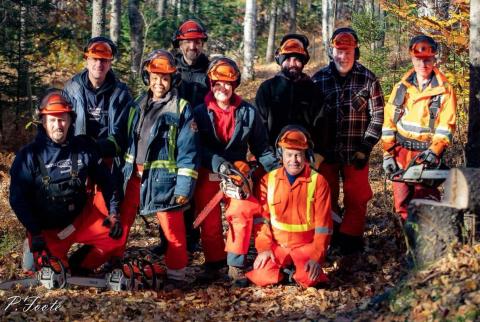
[473, 143]
[115, 20]
[249, 33]
[328, 22]
[292, 17]
[161, 6]
[98, 17]
[272, 28]
[136, 36]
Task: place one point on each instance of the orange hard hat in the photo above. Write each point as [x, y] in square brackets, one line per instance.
[99, 49]
[191, 29]
[292, 46]
[294, 139]
[161, 63]
[344, 40]
[224, 69]
[54, 103]
[423, 49]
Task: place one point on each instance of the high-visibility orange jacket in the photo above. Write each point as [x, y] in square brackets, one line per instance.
[295, 216]
[414, 123]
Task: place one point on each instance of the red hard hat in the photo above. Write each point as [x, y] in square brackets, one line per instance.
[224, 69]
[54, 103]
[191, 29]
[161, 63]
[344, 40]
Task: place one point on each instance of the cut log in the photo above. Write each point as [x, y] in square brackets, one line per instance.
[431, 229]
[462, 189]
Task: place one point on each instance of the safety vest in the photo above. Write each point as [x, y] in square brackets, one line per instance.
[170, 164]
[310, 224]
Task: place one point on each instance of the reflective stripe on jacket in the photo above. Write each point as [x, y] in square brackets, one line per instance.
[172, 158]
[414, 123]
[297, 215]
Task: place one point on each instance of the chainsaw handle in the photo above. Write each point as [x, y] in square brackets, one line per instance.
[242, 177]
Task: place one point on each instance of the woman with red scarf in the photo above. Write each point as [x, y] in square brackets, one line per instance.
[228, 127]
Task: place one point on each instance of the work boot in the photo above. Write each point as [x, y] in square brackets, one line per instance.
[173, 284]
[237, 276]
[212, 272]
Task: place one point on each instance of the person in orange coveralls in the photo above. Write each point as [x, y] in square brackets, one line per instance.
[296, 222]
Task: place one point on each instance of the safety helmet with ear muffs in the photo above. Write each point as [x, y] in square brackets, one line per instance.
[54, 102]
[292, 44]
[295, 137]
[344, 38]
[189, 29]
[224, 69]
[423, 46]
[100, 47]
[160, 61]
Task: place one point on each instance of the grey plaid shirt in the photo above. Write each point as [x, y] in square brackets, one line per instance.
[352, 112]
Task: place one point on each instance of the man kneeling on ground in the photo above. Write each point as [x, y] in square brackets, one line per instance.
[49, 196]
[296, 223]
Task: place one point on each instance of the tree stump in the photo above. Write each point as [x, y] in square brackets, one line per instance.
[432, 227]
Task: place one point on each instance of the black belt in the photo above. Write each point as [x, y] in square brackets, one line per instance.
[411, 144]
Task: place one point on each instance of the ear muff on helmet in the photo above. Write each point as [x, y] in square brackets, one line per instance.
[189, 29]
[53, 102]
[216, 61]
[294, 127]
[282, 51]
[176, 77]
[343, 30]
[102, 39]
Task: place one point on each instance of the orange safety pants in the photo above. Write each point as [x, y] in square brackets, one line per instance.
[128, 211]
[239, 215]
[403, 193]
[356, 194]
[271, 273]
[171, 222]
[86, 229]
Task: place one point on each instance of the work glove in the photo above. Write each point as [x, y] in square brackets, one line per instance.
[225, 168]
[181, 200]
[113, 222]
[429, 157]
[359, 160]
[38, 244]
[389, 165]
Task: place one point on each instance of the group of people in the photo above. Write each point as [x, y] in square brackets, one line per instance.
[100, 157]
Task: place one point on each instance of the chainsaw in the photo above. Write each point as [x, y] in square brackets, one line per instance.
[134, 274]
[418, 172]
[238, 186]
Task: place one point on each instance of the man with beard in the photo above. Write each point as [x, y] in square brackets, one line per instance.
[191, 62]
[288, 97]
[48, 192]
[350, 127]
[192, 65]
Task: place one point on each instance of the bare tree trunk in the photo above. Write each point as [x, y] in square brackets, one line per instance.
[381, 19]
[161, 6]
[271, 32]
[115, 20]
[179, 10]
[249, 34]
[342, 10]
[192, 7]
[472, 149]
[292, 17]
[328, 23]
[136, 36]
[309, 5]
[98, 17]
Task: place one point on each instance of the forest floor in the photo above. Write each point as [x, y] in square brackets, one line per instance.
[376, 286]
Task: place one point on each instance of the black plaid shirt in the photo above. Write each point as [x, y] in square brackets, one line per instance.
[352, 112]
